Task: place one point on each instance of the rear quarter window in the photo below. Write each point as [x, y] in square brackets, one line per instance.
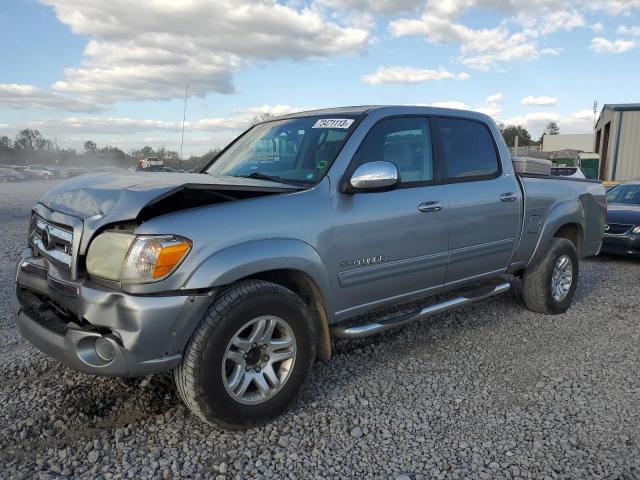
[468, 149]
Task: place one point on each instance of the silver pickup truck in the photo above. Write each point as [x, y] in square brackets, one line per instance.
[237, 278]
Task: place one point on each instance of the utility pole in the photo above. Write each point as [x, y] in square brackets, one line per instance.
[184, 116]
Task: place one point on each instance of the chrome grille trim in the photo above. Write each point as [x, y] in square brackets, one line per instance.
[61, 241]
[65, 236]
[618, 228]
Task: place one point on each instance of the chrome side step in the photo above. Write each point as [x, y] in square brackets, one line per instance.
[359, 331]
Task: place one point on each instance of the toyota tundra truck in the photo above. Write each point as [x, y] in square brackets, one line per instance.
[321, 224]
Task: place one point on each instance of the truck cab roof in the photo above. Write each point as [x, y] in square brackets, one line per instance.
[390, 110]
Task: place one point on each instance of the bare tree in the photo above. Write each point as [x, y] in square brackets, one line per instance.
[90, 146]
[552, 128]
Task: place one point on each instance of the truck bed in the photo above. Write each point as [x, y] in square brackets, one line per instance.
[547, 203]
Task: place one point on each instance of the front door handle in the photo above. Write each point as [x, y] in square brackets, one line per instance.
[430, 206]
[508, 197]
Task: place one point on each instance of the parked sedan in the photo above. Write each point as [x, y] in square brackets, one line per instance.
[38, 171]
[10, 175]
[622, 233]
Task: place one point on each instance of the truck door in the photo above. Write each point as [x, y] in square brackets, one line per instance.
[484, 203]
[391, 245]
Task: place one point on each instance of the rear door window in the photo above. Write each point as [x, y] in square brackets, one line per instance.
[468, 149]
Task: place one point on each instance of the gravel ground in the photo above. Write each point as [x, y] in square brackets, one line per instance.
[490, 391]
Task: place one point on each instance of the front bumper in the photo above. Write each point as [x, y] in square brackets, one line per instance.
[627, 244]
[63, 318]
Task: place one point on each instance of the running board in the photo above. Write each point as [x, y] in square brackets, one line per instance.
[359, 331]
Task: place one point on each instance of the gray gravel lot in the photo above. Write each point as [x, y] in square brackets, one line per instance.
[488, 391]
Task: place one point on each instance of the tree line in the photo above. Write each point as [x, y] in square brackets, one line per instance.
[30, 147]
[510, 132]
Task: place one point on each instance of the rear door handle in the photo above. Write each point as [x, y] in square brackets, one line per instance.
[430, 206]
[508, 197]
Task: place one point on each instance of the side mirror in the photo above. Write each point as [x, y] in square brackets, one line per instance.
[374, 176]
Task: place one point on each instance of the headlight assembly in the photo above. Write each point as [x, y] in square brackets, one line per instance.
[152, 258]
[127, 258]
[636, 230]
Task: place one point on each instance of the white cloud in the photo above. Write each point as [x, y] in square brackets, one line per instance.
[480, 48]
[577, 122]
[614, 7]
[633, 31]
[451, 8]
[560, 20]
[495, 98]
[15, 95]
[102, 125]
[597, 27]
[603, 45]
[239, 120]
[374, 6]
[150, 50]
[408, 75]
[491, 110]
[539, 101]
[451, 104]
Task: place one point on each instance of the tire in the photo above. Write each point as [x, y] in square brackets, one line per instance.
[537, 280]
[205, 381]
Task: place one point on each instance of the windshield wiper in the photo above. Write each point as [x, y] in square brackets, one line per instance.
[262, 176]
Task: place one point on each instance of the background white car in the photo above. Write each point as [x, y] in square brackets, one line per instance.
[570, 172]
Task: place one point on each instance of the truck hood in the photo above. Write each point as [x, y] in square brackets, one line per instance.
[140, 195]
[626, 214]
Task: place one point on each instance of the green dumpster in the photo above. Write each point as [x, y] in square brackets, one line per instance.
[590, 167]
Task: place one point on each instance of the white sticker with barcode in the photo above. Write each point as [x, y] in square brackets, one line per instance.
[333, 123]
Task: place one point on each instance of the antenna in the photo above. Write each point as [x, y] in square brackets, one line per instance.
[184, 116]
[595, 111]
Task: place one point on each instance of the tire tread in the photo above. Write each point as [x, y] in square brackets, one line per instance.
[535, 285]
[186, 373]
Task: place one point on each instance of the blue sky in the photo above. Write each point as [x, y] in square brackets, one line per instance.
[115, 71]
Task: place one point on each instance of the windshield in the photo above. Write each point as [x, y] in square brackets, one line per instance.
[625, 194]
[298, 151]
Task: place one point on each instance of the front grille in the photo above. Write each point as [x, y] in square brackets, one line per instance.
[52, 241]
[617, 228]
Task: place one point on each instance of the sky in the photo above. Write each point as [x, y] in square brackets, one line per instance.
[115, 71]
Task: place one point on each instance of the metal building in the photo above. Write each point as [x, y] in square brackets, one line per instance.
[583, 142]
[618, 141]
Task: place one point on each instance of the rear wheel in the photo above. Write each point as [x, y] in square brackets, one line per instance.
[249, 357]
[549, 285]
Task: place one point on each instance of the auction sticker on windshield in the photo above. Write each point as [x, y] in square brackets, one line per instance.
[333, 123]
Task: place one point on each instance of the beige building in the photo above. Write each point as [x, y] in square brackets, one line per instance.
[582, 142]
[618, 141]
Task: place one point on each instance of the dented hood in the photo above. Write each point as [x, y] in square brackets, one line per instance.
[123, 196]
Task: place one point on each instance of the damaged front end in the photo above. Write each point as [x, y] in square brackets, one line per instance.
[111, 199]
[89, 323]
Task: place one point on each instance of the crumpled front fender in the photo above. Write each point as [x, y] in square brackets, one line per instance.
[246, 259]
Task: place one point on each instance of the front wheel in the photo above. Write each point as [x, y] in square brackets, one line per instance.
[249, 357]
[549, 285]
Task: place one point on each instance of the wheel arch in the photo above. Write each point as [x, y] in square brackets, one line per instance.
[288, 262]
[306, 288]
[565, 220]
[572, 232]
